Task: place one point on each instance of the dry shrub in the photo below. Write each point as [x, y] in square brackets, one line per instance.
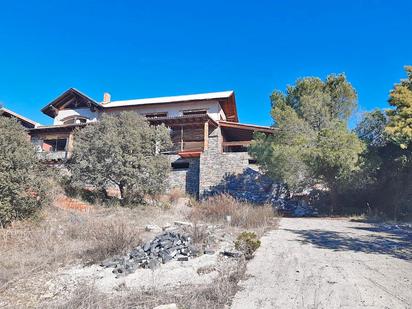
[110, 239]
[216, 209]
[175, 194]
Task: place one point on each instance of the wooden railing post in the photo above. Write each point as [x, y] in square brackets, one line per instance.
[206, 136]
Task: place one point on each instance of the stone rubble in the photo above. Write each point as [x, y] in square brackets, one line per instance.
[162, 249]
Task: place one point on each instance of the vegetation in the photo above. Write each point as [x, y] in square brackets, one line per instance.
[368, 170]
[399, 126]
[122, 151]
[313, 144]
[22, 188]
[384, 183]
[248, 243]
[225, 208]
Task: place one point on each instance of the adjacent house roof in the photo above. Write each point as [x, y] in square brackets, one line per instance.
[70, 98]
[225, 98]
[26, 122]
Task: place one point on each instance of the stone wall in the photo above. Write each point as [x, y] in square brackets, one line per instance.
[232, 173]
[185, 179]
[215, 165]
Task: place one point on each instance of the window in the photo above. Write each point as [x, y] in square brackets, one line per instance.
[179, 165]
[53, 145]
[74, 120]
[195, 112]
[156, 115]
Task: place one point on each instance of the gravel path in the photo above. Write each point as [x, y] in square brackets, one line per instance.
[329, 263]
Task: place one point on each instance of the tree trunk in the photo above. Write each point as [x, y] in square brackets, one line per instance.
[333, 200]
[122, 189]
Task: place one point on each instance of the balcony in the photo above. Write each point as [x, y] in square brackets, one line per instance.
[53, 155]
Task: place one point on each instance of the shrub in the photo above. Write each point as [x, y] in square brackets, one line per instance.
[22, 189]
[248, 243]
[216, 209]
[122, 151]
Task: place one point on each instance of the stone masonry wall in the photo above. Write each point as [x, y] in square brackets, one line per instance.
[231, 172]
[215, 165]
[185, 179]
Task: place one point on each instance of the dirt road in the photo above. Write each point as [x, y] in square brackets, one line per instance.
[327, 263]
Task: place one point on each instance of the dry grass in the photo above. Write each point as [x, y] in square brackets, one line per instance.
[215, 295]
[58, 237]
[175, 194]
[216, 209]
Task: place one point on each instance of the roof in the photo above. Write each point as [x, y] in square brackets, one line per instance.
[27, 121]
[225, 98]
[74, 97]
[173, 99]
[54, 128]
[71, 96]
[244, 126]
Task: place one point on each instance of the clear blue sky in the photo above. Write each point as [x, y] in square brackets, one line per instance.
[136, 49]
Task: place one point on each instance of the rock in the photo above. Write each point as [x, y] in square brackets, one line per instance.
[182, 223]
[169, 306]
[233, 253]
[162, 249]
[208, 251]
[166, 226]
[152, 227]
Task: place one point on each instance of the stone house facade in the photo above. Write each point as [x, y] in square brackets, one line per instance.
[209, 152]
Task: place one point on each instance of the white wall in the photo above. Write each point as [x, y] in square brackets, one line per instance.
[176, 109]
[85, 112]
[213, 108]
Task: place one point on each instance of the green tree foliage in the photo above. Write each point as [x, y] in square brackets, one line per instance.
[312, 144]
[122, 150]
[371, 129]
[22, 189]
[400, 119]
[384, 183]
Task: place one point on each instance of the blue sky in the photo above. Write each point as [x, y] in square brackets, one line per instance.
[137, 49]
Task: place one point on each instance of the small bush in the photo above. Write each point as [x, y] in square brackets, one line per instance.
[216, 209]
[248, 243]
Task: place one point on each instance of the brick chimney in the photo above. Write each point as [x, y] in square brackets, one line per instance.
[106, 98]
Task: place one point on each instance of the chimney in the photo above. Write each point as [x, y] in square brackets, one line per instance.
[106, 97]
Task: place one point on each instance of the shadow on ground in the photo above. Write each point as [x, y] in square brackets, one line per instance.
[395, 243]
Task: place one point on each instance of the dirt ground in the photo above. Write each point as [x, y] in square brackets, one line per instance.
[329, 263]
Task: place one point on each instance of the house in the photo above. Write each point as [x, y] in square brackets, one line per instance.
[25, 122]
[209, 142]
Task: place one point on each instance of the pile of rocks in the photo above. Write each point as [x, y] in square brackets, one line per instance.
[162, 249]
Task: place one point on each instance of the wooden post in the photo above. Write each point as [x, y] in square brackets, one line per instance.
[206, 136]
[181, 138]
[69, 143]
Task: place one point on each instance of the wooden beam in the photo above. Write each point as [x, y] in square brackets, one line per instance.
[206, 136]
[236, 143]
